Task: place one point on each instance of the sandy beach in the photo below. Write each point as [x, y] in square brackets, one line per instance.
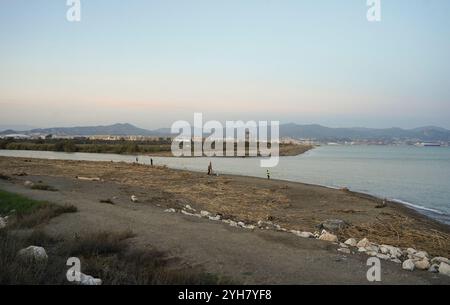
[249, 256]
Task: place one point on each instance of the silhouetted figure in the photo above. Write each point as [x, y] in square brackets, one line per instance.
[151, 161]
[268, 174]
[210, 170]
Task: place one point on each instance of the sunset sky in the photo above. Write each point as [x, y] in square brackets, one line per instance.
[150, 63]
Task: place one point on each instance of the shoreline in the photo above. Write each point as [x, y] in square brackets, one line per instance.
[421, 210]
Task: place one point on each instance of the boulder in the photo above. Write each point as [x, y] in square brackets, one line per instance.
[444, 269]
[363, 243]
[420, 254]
[371, 253]
[408, 265]
[33, 253]
[383, 256]
[410, 251]
[333, 225]
[423, 264]
[372, 248]
[434, 268]
[351, 242]
[216, 218]
[343, 245]
[328, 237]
[362, 249]
[439, 259]
[205, 213]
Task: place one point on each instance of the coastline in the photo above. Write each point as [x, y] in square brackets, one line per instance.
[293, 205]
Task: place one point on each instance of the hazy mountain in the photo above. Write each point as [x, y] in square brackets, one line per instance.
[313, 131]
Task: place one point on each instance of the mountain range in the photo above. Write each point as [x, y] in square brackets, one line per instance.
[312, 131]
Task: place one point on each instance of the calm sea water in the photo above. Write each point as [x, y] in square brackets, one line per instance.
[416, 176]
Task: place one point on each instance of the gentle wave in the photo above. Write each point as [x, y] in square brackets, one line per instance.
[419, 207]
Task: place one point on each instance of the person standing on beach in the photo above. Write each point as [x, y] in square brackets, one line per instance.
[151, 161]
[210, 171]
[268, 175]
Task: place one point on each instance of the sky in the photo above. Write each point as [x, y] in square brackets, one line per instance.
[153, 62]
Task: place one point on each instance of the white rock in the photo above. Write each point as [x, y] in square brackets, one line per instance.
[408, 265]
[363, 243]
[216, 218]
[188, 207]
[423, 264]
[233, 223]
[306, 235]
[171, 210]
[372, 248]
[439, 259]
[434, 268]
[411, 251]
[383, 256]
[420, 254]
[344, 250]
[362, 249]
[371, 253]
[190, 214]
[241, 224]
[328, 236]
[250, 227]
[444, 269]
[28, 183]
[134, 198]
[205, 213]
[351, 242]
[343, 245]
[33, 253]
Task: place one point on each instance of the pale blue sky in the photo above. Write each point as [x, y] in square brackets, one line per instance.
[153, 62]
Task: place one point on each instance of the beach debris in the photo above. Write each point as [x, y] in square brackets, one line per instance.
[434, 268]
[408, 265]
[345, 189]
[171, 210]
[328, 236]
[444, 269]
[363, 243]
[382, 204]
[439, 259]
[28, 183]
[205, 213]
[85, 279]
[134, 198]
[423, 264]
[88, 178]
[33, 253]
[351, 242]
[333, 225]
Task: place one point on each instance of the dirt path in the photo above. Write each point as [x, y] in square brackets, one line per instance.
[250, 257]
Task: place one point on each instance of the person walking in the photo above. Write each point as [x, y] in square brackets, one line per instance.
[210, 170]
[151, 161]
[268, 175]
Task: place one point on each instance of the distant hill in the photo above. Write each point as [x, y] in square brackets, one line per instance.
[312, 131]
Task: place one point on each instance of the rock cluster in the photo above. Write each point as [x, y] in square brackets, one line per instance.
[33, 254]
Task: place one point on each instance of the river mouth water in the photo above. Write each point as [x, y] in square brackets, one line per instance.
[415, 176]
